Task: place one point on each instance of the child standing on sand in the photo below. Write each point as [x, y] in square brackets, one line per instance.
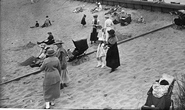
[101, 52]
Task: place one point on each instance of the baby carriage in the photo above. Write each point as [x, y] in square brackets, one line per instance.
[79, 53]
[164, 101]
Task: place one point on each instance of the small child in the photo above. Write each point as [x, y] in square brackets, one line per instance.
[83, 22]
[36, 25]
[101, 52]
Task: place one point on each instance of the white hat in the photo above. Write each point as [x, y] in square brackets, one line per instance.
[122, 11]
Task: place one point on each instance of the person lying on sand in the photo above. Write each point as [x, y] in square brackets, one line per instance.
[47, 22]
[79, 9]
[50, 40]
[114, 9]
[36, 25]
[97, 8]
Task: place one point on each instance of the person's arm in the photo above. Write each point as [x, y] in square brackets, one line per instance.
[42, 66]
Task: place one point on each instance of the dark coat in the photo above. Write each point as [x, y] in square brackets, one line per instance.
[112, 57]
[52, 69]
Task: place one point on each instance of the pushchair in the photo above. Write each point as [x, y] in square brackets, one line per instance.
[162, 103]
[79, 53]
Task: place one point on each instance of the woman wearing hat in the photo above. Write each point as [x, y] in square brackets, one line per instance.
[112, 56]
[51, 85]
[108, 25]
[61, 53]
[94, 33]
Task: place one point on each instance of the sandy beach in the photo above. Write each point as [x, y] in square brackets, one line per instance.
[143, 60]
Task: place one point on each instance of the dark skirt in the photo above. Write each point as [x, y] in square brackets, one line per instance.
[112, 57]
[94, 35]
[51, 92]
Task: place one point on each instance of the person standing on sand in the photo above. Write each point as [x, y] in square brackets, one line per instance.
[83, 22]
[94, 32]
[108, 25]
[61, 53]
[101, 52]
[51, 85]
[112, 56]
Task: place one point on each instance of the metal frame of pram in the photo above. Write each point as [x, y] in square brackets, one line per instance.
[167, 98]
[79, 52]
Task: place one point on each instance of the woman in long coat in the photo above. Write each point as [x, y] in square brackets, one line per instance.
[61, 53]
[112, 56]
[94, 32]
[51, 85]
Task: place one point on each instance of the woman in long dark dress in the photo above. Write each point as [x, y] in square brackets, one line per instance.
[83, 22]
[94, 32]
[112, 57]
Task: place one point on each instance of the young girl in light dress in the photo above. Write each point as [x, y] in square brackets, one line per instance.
[101, 50]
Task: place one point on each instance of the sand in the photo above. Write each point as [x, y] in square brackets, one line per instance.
[143, 60]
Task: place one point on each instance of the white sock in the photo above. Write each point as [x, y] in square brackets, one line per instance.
[47, 105]
[99, 64]
[102, 64]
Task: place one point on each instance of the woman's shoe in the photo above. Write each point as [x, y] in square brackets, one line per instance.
[65, 85]
[47, 105]
[112, 70]
[52, 103]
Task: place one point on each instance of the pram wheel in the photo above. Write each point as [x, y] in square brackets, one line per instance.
[85, 58]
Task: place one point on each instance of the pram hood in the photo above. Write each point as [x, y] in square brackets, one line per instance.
[81, 45]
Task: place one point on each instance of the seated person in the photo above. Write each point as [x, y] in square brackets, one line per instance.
[126, 21]
[50, 40]
[180, 21]
[36, 25]
[123, 14]
[140, 20]
[37, 61]
[116, 18]
[47, 22]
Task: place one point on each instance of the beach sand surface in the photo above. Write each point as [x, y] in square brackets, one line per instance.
[143, 60]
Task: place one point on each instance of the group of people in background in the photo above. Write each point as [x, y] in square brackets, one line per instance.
[47, 23]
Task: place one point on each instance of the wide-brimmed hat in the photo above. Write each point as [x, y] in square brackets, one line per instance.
[111, 32]
[122, 11]
[49, 33]
[50, 52]
[58, 42]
